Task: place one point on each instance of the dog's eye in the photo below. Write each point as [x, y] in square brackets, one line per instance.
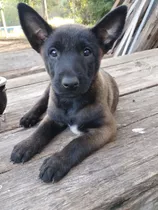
[53, 52]
[87, 52]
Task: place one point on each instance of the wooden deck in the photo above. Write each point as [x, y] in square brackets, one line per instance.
[123, 175]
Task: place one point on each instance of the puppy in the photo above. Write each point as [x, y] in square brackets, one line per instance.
[79, 96]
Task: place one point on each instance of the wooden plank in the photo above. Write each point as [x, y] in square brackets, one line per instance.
[147, 201]
[137, 106]
[142, 79]
[27, 80]
[113, 177]
[131, 109]
[138, 56]
[131, 66]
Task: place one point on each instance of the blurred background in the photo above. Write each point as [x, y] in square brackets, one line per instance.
[140, 33]
[56, 12]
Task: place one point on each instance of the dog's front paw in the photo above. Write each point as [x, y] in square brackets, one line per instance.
[29, 120]
[23, 152]
[53, 169]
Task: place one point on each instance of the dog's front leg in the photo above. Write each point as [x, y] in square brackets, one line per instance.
[57, 166]
[26, 149]
[33, 115]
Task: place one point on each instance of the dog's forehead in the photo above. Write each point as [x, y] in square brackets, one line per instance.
[72, 33]
[75, 27]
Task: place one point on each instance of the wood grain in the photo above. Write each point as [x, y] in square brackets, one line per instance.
[112, 177]
[130, 110]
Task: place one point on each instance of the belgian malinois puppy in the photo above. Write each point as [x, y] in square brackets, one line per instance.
[79, 96]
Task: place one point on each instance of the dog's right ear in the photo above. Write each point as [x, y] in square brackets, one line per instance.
[110, 27]
[34, 26]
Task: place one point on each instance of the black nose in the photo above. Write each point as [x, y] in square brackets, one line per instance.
[70, 82]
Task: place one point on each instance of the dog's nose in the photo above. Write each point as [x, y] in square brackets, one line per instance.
[70, 82]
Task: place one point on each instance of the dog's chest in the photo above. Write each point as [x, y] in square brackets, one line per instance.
[75, 117]
[70, 119]
[74, 129]
[73, 123]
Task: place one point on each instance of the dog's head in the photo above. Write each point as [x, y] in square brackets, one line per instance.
[72, 53]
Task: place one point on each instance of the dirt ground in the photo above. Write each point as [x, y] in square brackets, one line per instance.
[16, 55]
[10, 45]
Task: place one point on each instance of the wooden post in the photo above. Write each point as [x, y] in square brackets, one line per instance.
[115, 4]
[45, 12]
[3, 20]
[148, 38]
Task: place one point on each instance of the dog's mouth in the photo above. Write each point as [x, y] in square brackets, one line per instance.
[71, 87]
[70, 93]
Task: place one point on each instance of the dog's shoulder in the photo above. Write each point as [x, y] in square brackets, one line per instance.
[108, 92]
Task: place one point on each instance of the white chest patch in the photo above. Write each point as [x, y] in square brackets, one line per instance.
[74, 129]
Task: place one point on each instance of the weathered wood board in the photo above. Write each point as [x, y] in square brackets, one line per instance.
[122, 175]
[112, 177]
[128, 113]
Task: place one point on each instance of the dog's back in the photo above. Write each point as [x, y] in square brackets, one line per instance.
[110, 89]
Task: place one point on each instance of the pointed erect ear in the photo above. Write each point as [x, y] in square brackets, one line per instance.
[110, 27]
[34, 26]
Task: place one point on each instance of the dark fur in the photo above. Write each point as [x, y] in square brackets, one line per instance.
[3, 99]
[78, 94]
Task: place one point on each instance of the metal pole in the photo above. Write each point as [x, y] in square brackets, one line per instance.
[3, 21]
[45, 12]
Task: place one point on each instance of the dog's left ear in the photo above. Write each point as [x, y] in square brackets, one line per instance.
[34, 26]
[110, 27]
